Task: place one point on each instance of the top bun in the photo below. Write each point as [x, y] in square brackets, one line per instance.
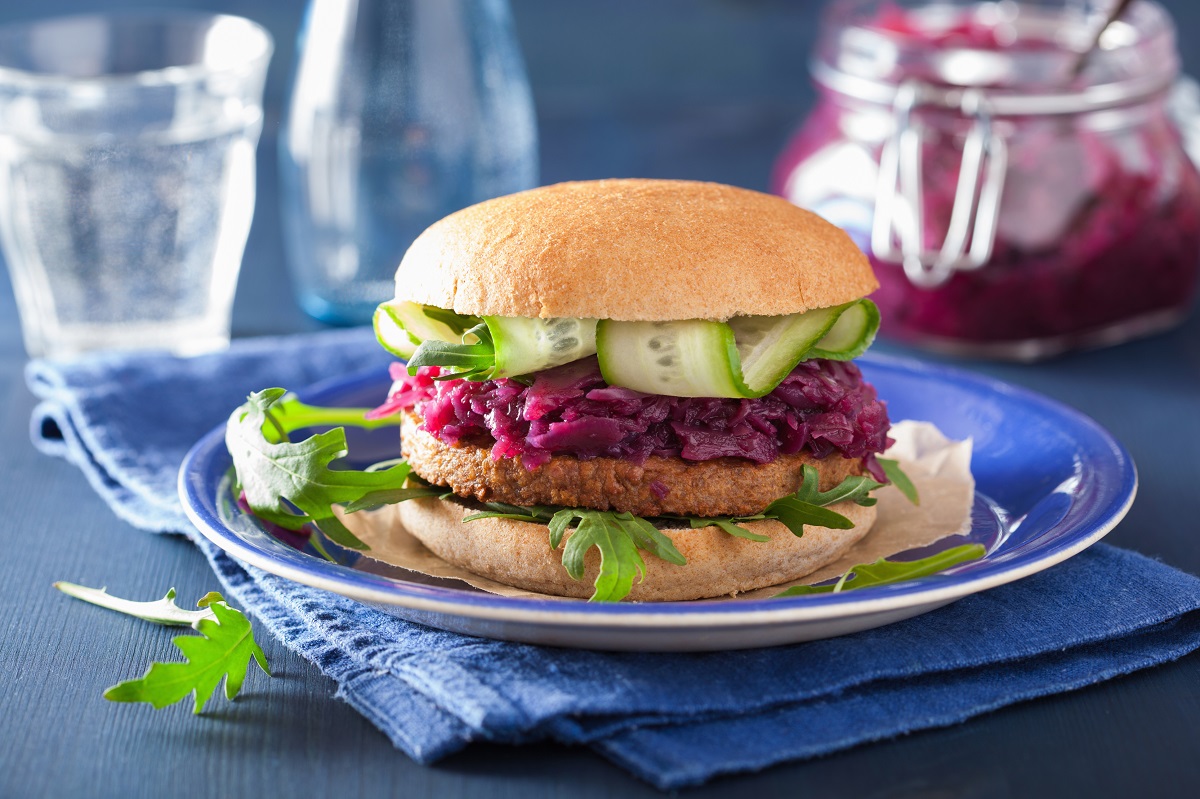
[634, 250]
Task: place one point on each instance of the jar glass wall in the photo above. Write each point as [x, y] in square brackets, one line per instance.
[1010, 209]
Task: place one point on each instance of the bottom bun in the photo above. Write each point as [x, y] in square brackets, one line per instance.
[518, 553]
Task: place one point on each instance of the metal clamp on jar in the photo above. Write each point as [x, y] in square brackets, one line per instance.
[1010, 209]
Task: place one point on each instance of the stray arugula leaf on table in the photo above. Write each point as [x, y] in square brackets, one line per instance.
[223, 649]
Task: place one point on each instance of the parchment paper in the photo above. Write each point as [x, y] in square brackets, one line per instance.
[939, 467]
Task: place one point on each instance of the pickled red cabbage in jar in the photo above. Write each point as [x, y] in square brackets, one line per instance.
[1097, 236]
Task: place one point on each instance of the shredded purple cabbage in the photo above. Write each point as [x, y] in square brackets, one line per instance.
[822, 407]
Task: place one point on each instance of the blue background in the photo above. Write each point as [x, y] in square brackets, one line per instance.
[674, 88]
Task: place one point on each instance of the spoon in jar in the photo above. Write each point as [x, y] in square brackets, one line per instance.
[1081, 60]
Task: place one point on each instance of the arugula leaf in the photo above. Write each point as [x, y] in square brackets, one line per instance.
[459, 323]
[731, 526]
[617, 536]
[222, 650]
[291, 484]
[466, 361]
[391, 496]
[291, 414]
[650, 538]
[885, 572]
[620, 560]
[161, 611]
[501, 510]
[899, 479]
[806, 506]
[794, 513]
[855, 488]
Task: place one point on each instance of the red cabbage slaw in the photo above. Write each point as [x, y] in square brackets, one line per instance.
[823, 407]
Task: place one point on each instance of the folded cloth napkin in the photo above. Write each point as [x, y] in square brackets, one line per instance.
[671, 719]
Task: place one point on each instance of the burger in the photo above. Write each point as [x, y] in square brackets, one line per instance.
[635, 389]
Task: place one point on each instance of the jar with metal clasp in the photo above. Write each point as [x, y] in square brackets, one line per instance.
[1011, 207]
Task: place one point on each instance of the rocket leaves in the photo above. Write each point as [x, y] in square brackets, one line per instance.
[223, 649]
[617, 536]
[291, 483]
[886, 572]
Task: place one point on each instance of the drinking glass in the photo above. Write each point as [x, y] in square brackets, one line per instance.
[127, 176]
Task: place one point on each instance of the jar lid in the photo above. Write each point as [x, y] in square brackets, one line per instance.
[1021, 54]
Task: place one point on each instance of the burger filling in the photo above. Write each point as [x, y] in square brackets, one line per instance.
[821, 408]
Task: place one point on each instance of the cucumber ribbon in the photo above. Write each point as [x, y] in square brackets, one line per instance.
[746, 357]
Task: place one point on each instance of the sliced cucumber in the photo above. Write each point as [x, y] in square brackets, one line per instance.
[744, 358]
[525, 345]
[681, 359]
[769, 347]
[850, 336]
[401, 326]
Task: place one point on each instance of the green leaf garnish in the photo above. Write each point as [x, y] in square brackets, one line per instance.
[501, 510]
[855, 488]
[161, 611]
[795, 513]
[617, 536]
[620, 536]
[885, 572]
[806, 506]
[620, 560]
[291, 483]
[731, 526]
[463, 361]
[391, 496]
[459, 323]
[222, 650]
[899, 479]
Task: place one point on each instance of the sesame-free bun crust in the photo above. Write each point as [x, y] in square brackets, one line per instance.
[634, 250]
[518, 553]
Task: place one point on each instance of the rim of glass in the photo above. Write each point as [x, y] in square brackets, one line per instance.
[173, 75]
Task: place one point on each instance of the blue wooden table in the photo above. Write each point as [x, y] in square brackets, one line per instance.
[690, 88]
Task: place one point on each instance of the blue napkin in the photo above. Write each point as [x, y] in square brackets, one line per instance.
[673, 720]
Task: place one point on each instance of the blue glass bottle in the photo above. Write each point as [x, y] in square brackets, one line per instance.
[400, 112]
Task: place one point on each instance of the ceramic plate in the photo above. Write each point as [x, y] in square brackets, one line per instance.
[1049, 483]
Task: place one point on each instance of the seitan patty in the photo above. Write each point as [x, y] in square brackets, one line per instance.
[658, 487]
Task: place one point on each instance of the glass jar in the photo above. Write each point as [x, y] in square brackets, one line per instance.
[1011, 207]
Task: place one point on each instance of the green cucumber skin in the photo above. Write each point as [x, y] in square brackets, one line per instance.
[701, 358]
[400, 326]
[524, 346]
[391, 336]
[854, 344]
[818, 321]
[633, 355]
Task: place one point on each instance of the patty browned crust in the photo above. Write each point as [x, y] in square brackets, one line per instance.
[658, 487]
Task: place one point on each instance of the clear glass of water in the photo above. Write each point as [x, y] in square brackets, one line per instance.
[127, 176]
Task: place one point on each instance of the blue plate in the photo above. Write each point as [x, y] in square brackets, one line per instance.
[1049, 483]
